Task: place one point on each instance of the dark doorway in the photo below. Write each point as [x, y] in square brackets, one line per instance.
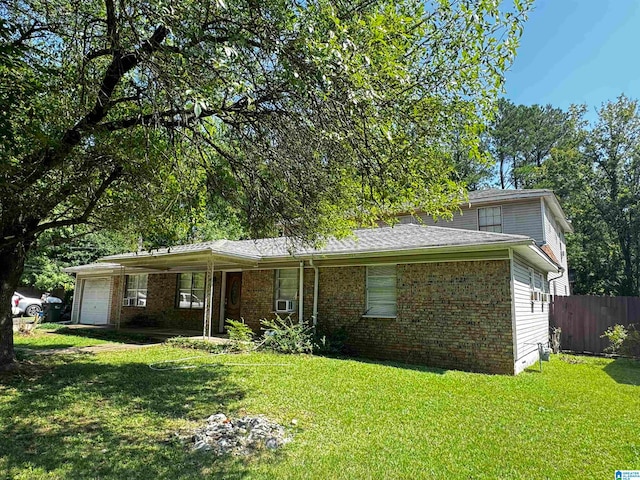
[234, 293]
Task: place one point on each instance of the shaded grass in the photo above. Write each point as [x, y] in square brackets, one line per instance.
[110, 416]
[64, 337]
[107, 334]
[43, 340]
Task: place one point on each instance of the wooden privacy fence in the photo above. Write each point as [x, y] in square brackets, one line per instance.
[583, 318]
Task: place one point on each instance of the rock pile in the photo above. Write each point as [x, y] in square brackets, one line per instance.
[238, 436]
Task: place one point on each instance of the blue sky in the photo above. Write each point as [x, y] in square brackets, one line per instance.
[577, 51]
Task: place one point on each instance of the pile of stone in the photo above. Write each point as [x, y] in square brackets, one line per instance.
[238, 436]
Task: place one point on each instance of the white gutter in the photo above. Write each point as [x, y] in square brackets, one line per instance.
[514, 323]
[301, 295]
[315, 294]
[377, 252]
[168, 253]
[543, 211]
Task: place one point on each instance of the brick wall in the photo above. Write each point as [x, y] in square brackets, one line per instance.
[258, 288]
[257, 297]
[161, 305]
[450, 315]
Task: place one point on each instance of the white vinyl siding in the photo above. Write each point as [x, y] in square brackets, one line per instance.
[287, 284]
[530, 327]
[135, 294]
[381, 291]
[490, 219]
[466, 220]
[521, 218]
[555, 240]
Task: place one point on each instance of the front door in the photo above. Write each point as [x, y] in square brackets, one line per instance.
[234, 291]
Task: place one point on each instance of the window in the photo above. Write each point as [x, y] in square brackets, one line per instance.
[381, 291]
[286, 289]
[538, 286]
[190, 292]
[135, 294]
[490, 219]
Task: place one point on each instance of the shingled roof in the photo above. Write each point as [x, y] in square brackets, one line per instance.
[385, 239]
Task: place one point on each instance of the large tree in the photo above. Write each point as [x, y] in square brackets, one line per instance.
[292, 113]
[603, 177]
[522, 137]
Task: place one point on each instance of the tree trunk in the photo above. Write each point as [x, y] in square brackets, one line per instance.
[11, 267]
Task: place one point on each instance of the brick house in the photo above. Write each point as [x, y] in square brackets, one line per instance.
[535, 213]
[444, 297]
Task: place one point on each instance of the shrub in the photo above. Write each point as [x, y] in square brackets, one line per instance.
[616, 336]
[631, 344]
[554, 339]
[286, 336]
[330, 343]
[240, 334]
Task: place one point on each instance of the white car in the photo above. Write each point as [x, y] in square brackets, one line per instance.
[188, 300]
[21, 305]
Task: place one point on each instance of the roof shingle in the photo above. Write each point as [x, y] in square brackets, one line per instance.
[384, 239]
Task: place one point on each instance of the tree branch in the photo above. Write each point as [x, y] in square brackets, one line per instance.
[84, 216]
[120, 65]
[102, 52]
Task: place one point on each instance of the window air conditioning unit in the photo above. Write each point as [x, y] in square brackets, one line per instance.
[284, 305]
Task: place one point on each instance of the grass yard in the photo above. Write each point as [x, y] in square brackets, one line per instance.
[111, 416]
[52, 336]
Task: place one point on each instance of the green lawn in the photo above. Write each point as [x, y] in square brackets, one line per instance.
[111, 416]
[46, 338]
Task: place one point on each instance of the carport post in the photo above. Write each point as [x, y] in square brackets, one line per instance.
[120, 296]
[208, 301]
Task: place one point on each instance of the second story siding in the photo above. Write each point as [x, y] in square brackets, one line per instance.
[522, 218]
[534, 213]
[554, 236]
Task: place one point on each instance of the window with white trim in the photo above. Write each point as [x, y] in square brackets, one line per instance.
[490, 219]
[381, 291]
[538, 286]
[286, 288]
[190, 291]
[135, 294]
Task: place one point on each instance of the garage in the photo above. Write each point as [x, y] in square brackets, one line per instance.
[94, 308]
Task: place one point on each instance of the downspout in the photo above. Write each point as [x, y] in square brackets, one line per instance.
[301, 295]
[315, 294]
[514, 311]
[553, 279]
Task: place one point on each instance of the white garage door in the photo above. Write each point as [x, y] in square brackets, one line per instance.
[95, 301]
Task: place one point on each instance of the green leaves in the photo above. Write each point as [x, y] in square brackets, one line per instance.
[318, 116]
